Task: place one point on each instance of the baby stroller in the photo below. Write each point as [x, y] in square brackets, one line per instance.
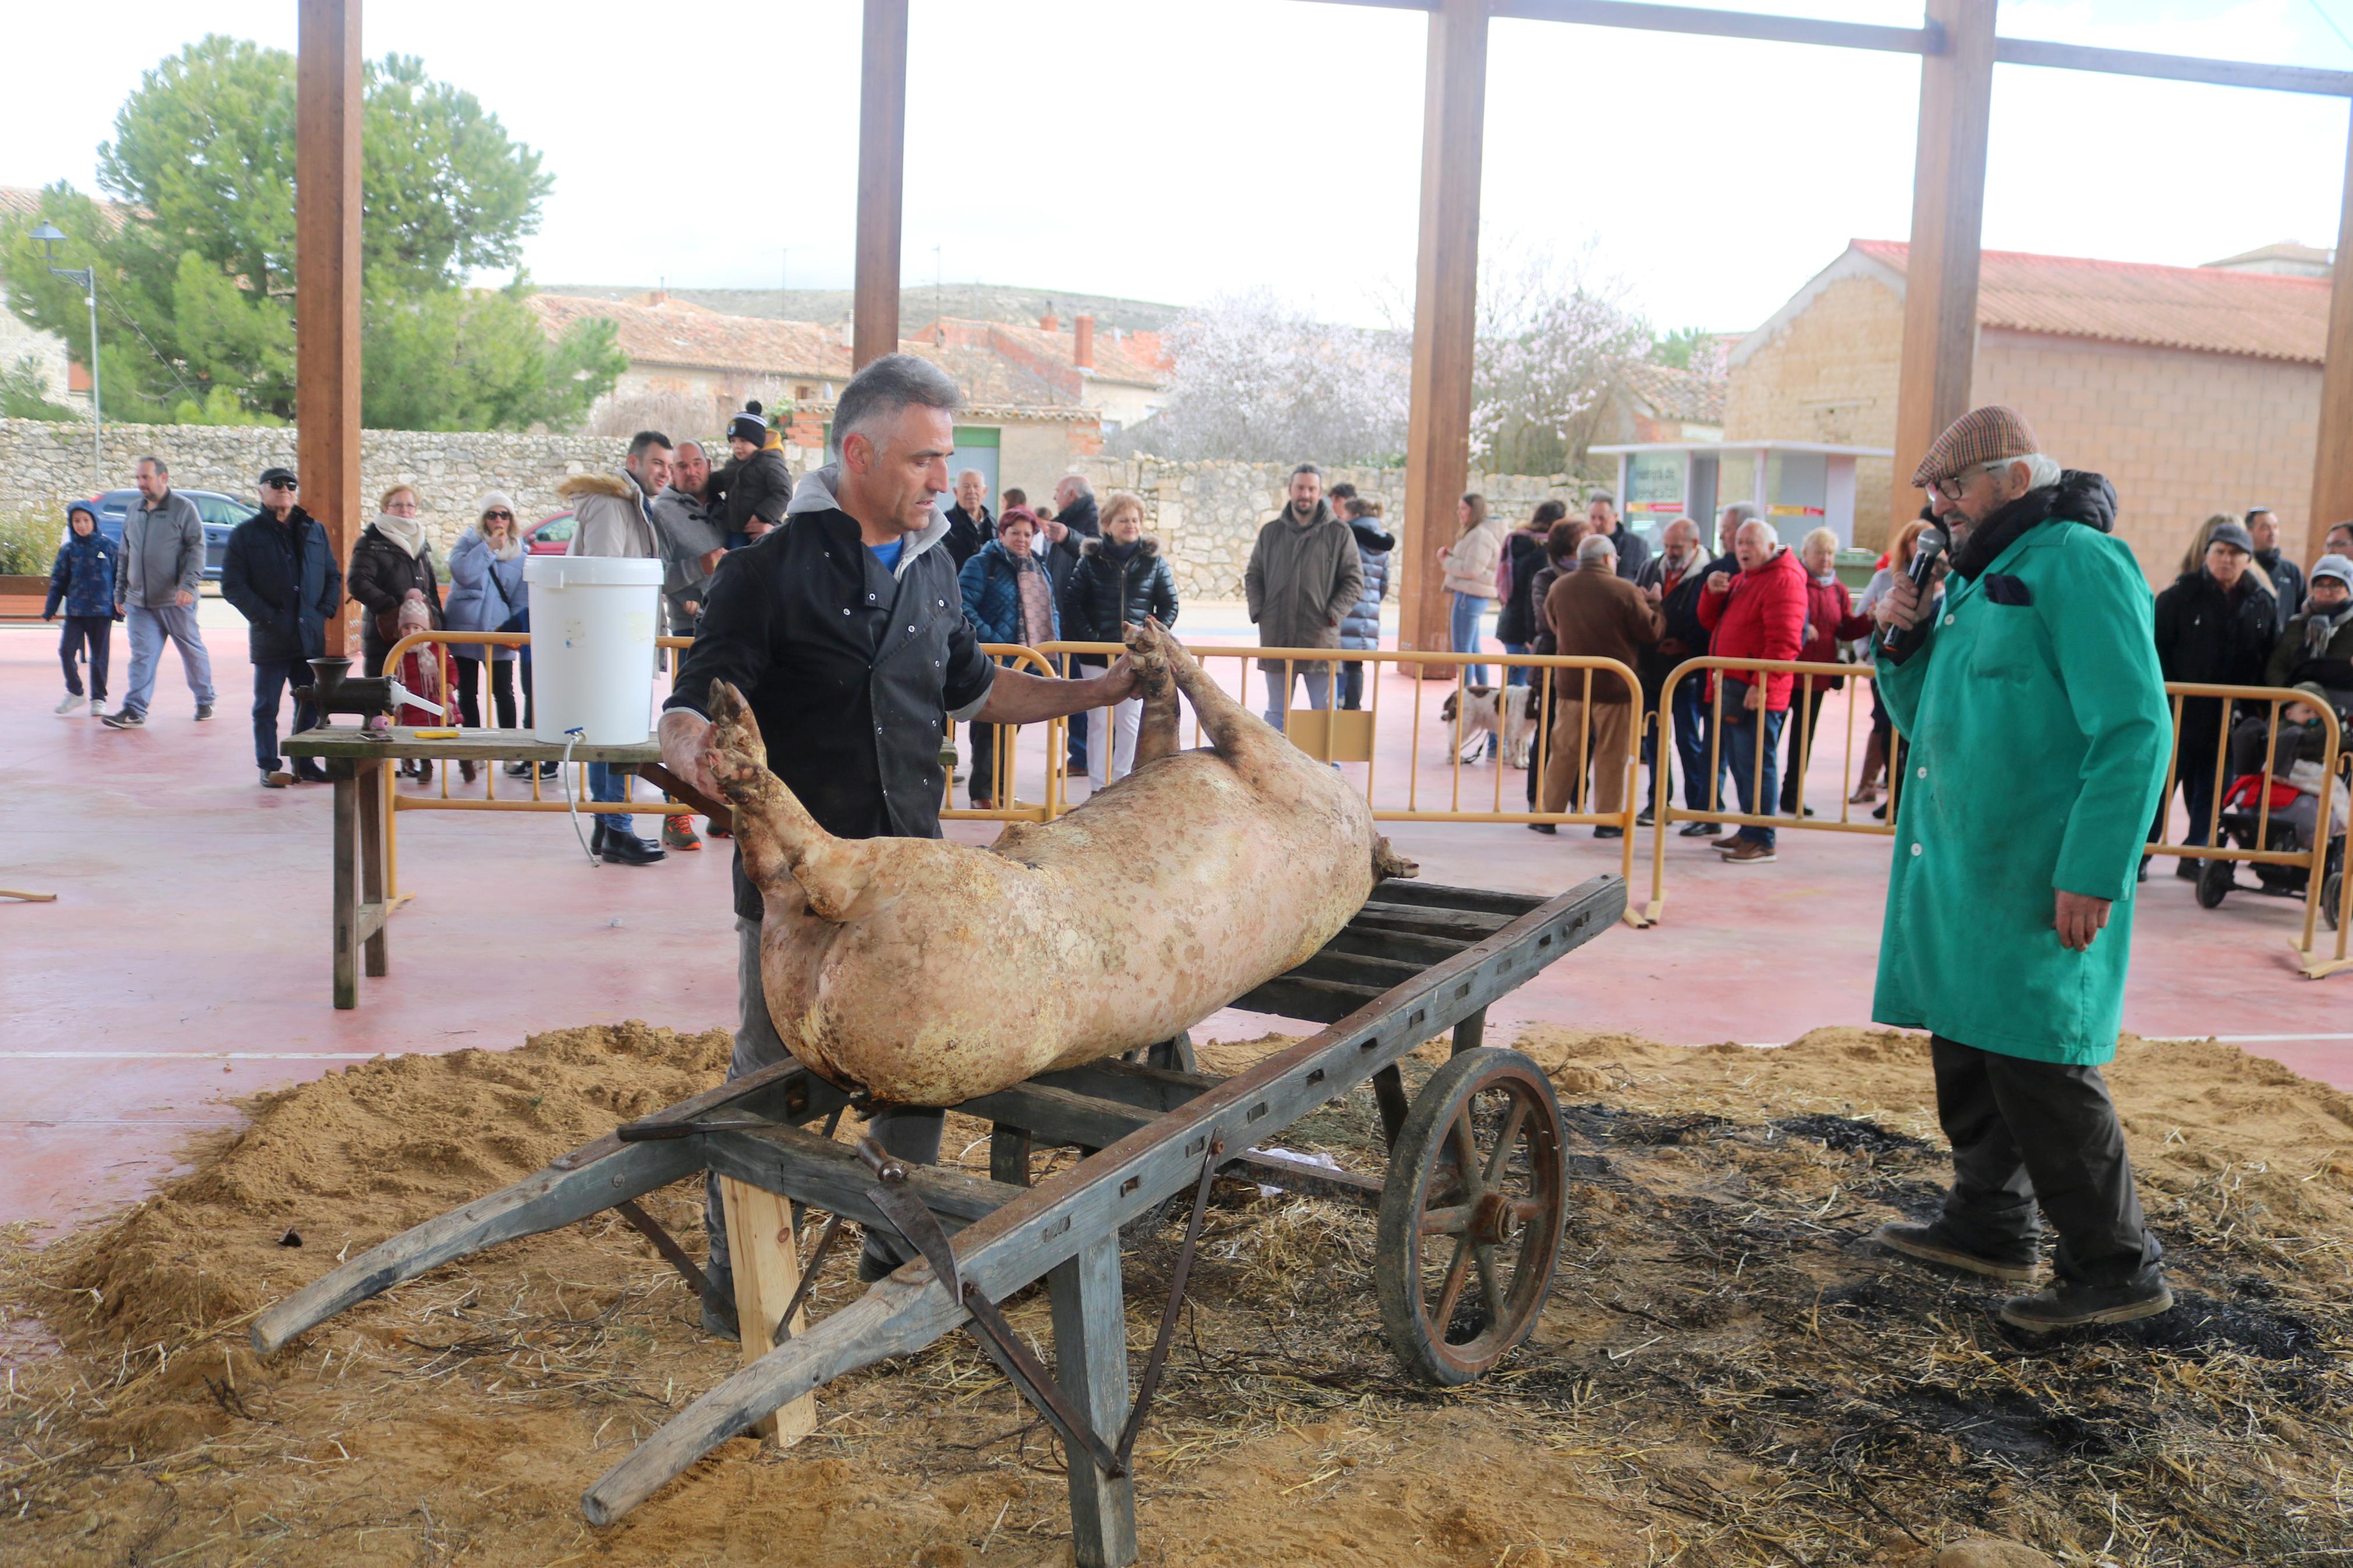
[2285, 823]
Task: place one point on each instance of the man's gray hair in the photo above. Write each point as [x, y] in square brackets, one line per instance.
[1595, 550]
[2042, 469]
[1307, 469]
[1080, 484]
[1739, 511]
[886, 389]
[963, 473]
[691, 441]
[161, 466]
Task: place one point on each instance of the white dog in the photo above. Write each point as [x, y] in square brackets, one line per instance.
[1471, 712]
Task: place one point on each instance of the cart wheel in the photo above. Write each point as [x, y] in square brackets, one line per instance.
[2215, 879]
[1470, 1216]
[1174, 1055]
[2331, 886]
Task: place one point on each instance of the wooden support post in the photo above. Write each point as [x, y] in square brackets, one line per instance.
[1445, 320]
[881, 179]
[327, 114]
[375, 808]
[1090, 1365]
[2332, 460]
[1940, 274]
[767, 1265]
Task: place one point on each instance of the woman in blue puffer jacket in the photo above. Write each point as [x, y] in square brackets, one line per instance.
[1361, 626]
[486, 594]
[1008, 598]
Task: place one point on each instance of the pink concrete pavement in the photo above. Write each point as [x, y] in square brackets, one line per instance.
[185, 962]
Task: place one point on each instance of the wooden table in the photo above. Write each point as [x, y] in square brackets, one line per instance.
[356, 763]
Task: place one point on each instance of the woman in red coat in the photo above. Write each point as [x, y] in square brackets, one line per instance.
[1831, 619]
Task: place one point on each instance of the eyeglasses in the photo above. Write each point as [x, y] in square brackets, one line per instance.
[1951, 489]
[501, 516]
[283, 485]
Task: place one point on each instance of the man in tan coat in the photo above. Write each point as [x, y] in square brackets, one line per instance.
[1596, 614]
[612, 516]
[1304, 576]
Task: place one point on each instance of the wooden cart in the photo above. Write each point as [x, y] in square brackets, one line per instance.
[1470, 1216]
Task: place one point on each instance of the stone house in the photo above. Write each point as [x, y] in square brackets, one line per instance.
[2195, 389]
[1034, 409]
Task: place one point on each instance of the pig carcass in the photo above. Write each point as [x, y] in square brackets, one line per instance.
[927, 973]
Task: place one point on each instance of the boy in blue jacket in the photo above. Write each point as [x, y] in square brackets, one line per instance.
[82, 580]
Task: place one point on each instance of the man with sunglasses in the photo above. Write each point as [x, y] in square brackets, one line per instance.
[279, 571]
[2039, 734]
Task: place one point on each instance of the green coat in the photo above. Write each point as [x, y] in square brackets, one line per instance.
[2039, 736]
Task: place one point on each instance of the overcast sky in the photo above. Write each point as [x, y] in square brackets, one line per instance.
[1173, 149]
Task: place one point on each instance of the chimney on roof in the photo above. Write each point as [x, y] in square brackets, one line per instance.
[1082, 354]
[1048, 322]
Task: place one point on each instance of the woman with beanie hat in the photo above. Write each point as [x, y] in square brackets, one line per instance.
[486, 591]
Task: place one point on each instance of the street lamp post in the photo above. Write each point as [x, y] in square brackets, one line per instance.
[48, 235]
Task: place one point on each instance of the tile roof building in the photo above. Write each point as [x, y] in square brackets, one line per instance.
[2195, 389]
[1039, 397]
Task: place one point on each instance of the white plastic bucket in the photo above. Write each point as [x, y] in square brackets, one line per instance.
[592, 647]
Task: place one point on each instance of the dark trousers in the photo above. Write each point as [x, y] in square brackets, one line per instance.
[980, 779]
[270, 676]
[2024, 1132]
[1801, 738]
[2193, 767]
[1689, 711]
[95, 633]
[1645, 719]
[1742, 748]
[470, 690]
[1352, 686]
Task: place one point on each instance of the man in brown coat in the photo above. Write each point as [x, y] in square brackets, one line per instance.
[1596, 614]
[1304, 576]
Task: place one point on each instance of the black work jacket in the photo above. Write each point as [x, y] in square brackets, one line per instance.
[283, 580]
[967, 533]
[1105, 592]
[850, 672]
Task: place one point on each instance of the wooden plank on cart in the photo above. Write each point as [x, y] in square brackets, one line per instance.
[767, 1265]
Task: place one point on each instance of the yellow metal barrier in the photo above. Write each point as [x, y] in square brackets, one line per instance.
[2319, 897]
[1009, 807]
[2314, 857]
[1338, 735]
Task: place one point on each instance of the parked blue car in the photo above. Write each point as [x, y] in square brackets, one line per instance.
[221, 513]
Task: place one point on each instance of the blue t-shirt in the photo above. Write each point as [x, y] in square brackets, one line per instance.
[889, 554]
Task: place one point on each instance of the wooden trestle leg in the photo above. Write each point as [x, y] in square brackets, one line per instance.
[1090, 1365]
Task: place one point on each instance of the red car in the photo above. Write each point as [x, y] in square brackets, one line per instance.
[549, 535]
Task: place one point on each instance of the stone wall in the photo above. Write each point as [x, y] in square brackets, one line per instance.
[45, 466]
[1207, 515]
[1829, 375]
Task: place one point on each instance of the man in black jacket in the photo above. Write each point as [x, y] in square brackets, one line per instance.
[969, 524]
[846, 634]
[279, 571]
[1674, 579]
[1073, 522]
[2287, 577]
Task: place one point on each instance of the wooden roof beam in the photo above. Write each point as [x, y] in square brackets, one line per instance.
[1927, 39]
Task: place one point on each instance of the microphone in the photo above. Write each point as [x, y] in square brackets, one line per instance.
[1897, 641]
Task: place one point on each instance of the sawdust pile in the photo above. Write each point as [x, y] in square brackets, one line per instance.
[1725, 1375]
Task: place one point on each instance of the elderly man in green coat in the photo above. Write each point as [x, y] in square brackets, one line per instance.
[2038, 730]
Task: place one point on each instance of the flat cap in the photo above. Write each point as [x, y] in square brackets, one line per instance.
[1984, 435]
